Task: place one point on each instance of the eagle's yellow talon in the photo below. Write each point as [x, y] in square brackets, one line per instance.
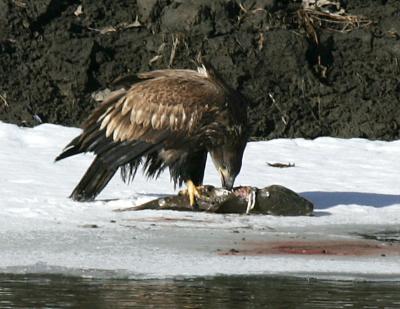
[193, 192]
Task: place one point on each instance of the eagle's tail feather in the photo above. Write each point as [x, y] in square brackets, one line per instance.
[70, 150]
[105, 165]
[93, 182]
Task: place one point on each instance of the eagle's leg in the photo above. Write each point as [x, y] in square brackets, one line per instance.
[192, 191]
[191, 171]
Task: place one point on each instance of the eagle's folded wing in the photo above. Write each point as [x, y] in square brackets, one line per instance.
[167, 108]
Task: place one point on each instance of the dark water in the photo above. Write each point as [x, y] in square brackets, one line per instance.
[39, 291]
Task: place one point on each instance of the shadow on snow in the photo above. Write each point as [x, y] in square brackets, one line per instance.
[323, 200]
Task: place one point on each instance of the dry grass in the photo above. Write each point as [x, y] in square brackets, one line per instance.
[313, 19]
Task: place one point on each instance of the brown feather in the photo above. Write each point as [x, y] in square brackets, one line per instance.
[161, 103]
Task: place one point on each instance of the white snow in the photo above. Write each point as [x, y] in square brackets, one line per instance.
[354, 184]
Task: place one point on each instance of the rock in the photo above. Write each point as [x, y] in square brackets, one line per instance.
[273, 200]
[183, 17]
[146, 8]
[280, 201]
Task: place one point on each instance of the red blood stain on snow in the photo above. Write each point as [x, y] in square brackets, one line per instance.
[329, 248]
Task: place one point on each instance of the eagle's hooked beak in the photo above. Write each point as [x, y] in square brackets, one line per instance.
[227, 179]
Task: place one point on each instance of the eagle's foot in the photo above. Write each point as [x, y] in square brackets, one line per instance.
[192, 191]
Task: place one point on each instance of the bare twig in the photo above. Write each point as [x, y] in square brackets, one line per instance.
[119, 27]
[283, 116]
[393, 34]
[159, 54]
[104, 30]
[4, 100]
[242, 7]
[281, 165]
[261, 41]
[20, 4]
[154, 59]
[175, 43]
[248, 11]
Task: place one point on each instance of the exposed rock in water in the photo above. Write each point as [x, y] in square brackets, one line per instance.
[273, 200]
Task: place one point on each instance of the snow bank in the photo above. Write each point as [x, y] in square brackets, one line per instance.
[354, 184]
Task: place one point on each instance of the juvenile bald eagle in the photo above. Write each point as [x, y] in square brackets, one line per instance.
[166, 118]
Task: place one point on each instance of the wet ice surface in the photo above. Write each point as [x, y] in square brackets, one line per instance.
[354, 184]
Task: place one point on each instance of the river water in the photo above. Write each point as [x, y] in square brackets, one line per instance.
[44, 291]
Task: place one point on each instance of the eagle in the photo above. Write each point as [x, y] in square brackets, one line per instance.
[169, 118]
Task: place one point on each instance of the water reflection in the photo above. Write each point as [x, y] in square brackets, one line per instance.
[219, 292]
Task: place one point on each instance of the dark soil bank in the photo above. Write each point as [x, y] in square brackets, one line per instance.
[54, 54]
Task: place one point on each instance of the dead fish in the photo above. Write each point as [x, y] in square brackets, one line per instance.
[273, 200]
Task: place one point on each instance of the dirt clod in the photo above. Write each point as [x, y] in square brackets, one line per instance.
[345, 84]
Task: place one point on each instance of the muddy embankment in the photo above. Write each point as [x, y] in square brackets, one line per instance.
[54, 54]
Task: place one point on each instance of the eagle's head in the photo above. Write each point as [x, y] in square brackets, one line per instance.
[227, 159]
